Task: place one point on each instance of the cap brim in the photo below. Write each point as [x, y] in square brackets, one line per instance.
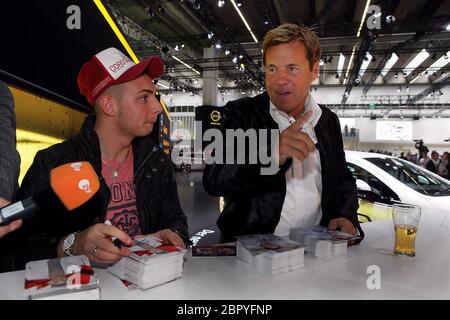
[152, 66]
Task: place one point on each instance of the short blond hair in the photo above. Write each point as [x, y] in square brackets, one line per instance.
[288, 32]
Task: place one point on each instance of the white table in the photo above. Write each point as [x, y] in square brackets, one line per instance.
[425, 276]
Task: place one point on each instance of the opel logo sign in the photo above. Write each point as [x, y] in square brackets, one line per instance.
[215, 116]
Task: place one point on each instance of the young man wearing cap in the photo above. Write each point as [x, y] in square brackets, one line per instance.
[137, 195]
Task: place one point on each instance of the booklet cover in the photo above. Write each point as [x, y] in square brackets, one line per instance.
[66, 278]
[269, 245]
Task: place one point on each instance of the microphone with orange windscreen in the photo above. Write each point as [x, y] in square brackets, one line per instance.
[73, 184]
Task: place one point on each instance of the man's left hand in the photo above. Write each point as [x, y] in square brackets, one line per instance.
[344, 225]
[169, 236]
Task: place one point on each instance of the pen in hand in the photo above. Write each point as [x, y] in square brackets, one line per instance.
[115, 240]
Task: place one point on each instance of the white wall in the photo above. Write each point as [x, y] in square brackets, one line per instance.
[432, 131]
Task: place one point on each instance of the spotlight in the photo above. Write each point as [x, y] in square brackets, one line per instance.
[227, 52]
[149, 12]
[239, 3]
[235, 59]
[390, 19]
[218, 45]
[220, 3]
[210, 35]
[196, 4]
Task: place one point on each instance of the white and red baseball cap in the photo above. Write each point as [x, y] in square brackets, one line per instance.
[110, 67]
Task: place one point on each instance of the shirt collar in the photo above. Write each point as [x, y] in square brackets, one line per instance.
[284, 120]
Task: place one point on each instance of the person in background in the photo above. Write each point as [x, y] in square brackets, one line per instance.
[9, 157]
[443, 165]
[433, 164]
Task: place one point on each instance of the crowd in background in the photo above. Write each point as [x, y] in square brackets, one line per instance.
[435, 162]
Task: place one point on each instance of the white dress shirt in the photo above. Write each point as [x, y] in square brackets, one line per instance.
[302, 204]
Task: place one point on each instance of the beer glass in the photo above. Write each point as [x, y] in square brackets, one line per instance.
[406, 220]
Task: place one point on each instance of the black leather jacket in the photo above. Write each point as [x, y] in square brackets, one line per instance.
[156, 197]
[253, 202]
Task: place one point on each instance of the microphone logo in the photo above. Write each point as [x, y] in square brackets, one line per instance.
[85, 185]
[76, 166]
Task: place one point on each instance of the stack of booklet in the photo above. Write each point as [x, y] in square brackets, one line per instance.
[152, 263]
[67, 278]
[321, 242]
[269, 253]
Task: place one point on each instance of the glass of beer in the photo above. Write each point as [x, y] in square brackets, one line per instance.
[406, 219]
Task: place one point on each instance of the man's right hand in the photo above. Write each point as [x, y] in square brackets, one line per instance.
[95, 242]
[10, 228]
[294, 143]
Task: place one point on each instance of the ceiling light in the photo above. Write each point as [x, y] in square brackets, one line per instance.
[210, 35]
[340, 64]
[447, 27]
[236, 7]
[220, 3]
[392, 60]
[218, 45]
[365, 63]
[321, 63]
[162, 85]
[439, 63]
[185, 64]
[363, 18]
[416, 61]
[235, 60]
[227, 52]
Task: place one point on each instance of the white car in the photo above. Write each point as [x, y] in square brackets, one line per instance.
[383, 180]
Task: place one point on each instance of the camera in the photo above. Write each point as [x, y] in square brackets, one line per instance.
[420, 146]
